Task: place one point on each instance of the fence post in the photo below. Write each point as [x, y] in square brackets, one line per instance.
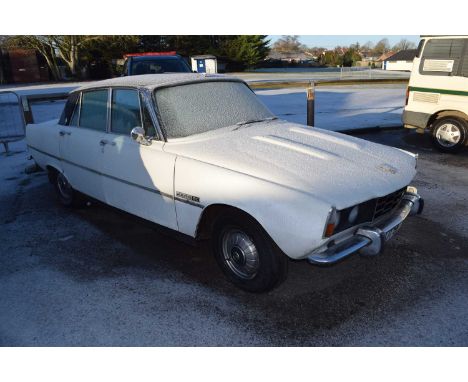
[28, 116]
[311, 104]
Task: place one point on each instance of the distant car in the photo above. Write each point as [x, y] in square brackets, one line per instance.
[154, 63]
[202, 156]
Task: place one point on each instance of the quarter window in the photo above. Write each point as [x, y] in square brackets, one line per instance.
[147, 122]
[125, 113]
[93, 113]
[70, 106]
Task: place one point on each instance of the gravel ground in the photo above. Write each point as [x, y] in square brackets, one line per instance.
[96, 276]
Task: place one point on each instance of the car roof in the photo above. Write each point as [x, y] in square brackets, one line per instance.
[153, 58]
[152, 81]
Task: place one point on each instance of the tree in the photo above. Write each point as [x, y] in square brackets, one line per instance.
[248, 50]
[381, 47]
[331, 58]
[67, 47]
[404, 44]
[351, 57]
[288, 44]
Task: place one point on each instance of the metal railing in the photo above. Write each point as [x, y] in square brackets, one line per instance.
[16, 112]
[12, 122]
[356, 72]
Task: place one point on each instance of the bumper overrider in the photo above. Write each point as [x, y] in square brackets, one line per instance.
[370, 240]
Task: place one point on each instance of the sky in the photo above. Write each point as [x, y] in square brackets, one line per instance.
[330, 41]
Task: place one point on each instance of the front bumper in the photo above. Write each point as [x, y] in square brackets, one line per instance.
[370, 240]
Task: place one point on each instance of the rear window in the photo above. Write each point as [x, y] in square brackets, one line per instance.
[442, 57]
[159, 65]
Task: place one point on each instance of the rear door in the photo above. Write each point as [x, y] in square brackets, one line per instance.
[137, 178]
[81, 143]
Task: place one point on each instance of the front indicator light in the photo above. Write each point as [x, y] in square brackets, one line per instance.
[329, 230]
[332, 222]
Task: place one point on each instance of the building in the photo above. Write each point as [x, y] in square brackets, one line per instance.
[22, 66]
[403, 60]
[204, 63]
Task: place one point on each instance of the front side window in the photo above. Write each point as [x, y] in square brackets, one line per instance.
[199, 107]
[442, 57]
[125, 111]
[93, 113]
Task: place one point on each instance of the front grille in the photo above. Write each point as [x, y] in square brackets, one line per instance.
[388, 202]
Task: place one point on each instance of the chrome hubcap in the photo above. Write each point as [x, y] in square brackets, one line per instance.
[64, 187]
[448, 135]
[240, 253]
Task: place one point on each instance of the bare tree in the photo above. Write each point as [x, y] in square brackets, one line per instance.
[67, 47]
[383, 46]
[288, 43]
[404, 44]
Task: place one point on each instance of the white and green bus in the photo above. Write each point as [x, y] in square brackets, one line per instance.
[437, 95]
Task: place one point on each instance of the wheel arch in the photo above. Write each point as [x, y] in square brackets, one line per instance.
[446, 113]
[212, 212]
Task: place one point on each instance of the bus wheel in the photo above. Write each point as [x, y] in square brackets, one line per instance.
[449, 134]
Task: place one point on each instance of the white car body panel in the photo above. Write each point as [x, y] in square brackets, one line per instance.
[139, 179]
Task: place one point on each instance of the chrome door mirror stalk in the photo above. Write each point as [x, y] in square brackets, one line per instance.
[138, 135]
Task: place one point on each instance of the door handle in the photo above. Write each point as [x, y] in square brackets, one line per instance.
[62, 133]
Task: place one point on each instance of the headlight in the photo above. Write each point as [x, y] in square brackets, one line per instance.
[353, 214]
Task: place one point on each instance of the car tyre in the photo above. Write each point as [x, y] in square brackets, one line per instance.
[449, 134]
[67, 196]
[247, 255]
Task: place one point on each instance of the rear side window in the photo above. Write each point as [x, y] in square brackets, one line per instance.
[125, 112]
[67, 113]
[93, 113]
[442, 57]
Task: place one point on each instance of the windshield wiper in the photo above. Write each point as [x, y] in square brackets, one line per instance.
[249, 121]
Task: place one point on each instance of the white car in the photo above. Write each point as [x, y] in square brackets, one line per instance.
[202, 156]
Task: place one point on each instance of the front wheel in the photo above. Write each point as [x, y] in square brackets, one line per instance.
[449, 134]
[247, 255]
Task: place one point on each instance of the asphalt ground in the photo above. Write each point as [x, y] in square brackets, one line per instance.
[97, 277]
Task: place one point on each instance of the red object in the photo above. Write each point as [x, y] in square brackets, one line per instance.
[173, 53]
[407, 95]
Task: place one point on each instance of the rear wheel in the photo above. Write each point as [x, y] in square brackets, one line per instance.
[449, 134]
[247, 255]
[67, 196]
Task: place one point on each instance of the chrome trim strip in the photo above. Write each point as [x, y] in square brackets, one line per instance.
[153, 190]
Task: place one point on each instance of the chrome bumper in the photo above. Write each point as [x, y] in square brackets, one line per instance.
[369, 241]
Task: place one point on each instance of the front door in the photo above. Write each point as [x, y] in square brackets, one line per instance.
[81, 147]
[137, 178]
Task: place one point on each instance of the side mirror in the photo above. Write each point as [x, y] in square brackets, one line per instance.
[138, 135]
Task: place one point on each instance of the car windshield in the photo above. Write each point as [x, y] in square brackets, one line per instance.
[196, 108]
[159, 65]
